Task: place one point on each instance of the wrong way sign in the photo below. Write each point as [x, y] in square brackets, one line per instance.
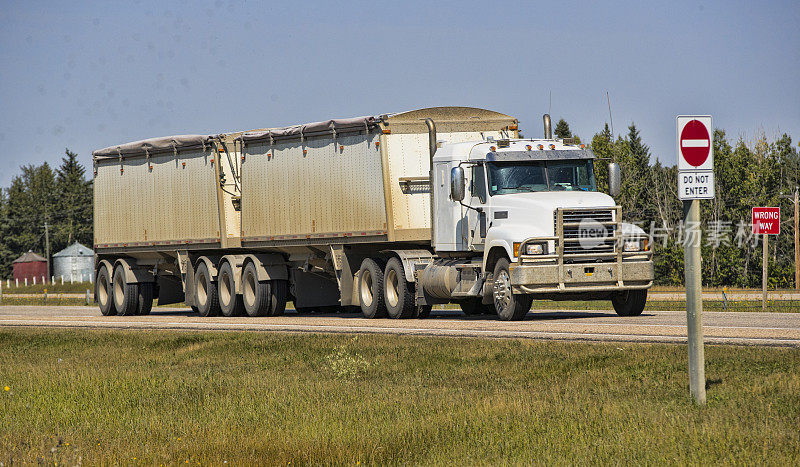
[767, 220]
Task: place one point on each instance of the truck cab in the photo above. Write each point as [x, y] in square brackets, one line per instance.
[527, 215]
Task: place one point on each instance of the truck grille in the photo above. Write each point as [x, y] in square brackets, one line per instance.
[588, 231]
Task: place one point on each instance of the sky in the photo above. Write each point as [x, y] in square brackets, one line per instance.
[86, 75]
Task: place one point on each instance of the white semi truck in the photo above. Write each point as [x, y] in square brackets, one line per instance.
[391, 214]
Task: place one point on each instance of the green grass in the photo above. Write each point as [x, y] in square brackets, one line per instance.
[174, 397]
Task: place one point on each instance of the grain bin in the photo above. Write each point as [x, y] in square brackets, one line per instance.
[28, 266]
[74, 263]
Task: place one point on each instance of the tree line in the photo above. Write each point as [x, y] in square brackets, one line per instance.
[746, 175]
[39, 195]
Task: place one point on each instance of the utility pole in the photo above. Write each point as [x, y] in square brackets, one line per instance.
[796, 200]
[47, 246]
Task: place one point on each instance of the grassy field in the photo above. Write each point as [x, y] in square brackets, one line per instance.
[168, 397]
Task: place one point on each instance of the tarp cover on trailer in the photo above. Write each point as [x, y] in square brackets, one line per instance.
[153, 145]
[327, 126]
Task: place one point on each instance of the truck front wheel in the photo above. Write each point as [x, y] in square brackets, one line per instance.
[370, 289]
[509, 306]
[629, 303]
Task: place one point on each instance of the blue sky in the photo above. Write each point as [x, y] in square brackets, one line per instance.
[92, 74]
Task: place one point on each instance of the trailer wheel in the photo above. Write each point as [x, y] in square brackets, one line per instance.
[206, 298]
[509, 306]
[255, 295]
[145, 299]
[280, 294]
[397, 295]
[125, 295]
[629, 303]
[370, 288]
[229, 302]
[103, 292]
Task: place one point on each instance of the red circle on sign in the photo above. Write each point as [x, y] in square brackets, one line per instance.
[695, 143]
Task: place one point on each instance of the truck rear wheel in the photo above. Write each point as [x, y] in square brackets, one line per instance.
[629, 303]
[125, 295]
[370, 288]
[280, 295]
[255, 295]
[205, 292]
[145, 300]
[398, 297]
[509, 306]
[103, 292]
[229, 302]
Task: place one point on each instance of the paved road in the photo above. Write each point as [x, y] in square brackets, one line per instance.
[746, 328]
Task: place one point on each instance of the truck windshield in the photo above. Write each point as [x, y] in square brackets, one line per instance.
[519, 177]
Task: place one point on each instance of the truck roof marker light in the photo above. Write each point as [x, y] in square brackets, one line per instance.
[341, 148]
[386, 131]
[305, 152]
[552, 146]
[184, 165]
[583, 146]
[493, 149]
[377, 144]
[528, 147]
[243, 158]
[540, 147]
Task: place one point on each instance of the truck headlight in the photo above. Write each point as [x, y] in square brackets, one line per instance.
[638, 244]
[534, 249]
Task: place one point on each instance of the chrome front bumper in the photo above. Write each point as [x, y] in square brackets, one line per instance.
[581, 277]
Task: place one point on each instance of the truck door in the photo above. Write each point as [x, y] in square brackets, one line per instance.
[478, 199]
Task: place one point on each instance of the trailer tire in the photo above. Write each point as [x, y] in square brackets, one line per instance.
[206, 297]
[280, 295]
[125, 295]
[103, 292]
[397, 294]
[509, 306]
[630, 302]
[145, 300]
[370, 288]
[256, 295]
[229, 302]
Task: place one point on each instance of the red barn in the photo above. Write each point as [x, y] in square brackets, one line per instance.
[28, 266]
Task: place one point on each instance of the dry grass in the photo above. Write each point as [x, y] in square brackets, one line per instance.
[177, 397]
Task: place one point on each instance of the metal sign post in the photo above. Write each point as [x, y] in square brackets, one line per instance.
[766, 221]
[695, 140]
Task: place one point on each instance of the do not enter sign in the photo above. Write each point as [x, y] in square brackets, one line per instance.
[695, 143]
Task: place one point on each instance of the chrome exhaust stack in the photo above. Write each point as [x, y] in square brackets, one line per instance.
[548, 128]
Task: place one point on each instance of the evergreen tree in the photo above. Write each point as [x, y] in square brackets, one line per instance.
[562, 129]
[73, 222]
[30, 203]
[6, 255]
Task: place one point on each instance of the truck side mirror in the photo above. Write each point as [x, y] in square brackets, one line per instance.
[614, 179]
[457, 183]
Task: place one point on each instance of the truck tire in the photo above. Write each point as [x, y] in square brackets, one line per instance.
[397, 294]
[229, 302]
[255, 295]
[370, 288]
[279, 289]
[125, 295]
[103, 292]
[509, 306]
[145, 299]
[206, 297]
[629, 303]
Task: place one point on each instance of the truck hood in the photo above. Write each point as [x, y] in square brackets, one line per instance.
[532, 213]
